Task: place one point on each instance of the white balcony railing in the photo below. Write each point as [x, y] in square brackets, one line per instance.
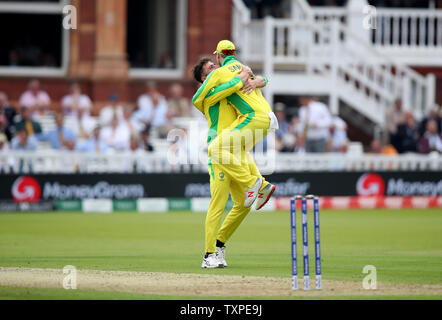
[333, 51]
[409, 28]
[411, 36]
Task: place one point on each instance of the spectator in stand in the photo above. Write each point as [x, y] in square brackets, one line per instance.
[4, 127]
[282, 118]
[135, 144]
[93, 144]
[3, 124]
[71, 145]
[116, 136]
[179, 106]
[431, 140]
[114, 107]
[153, 110]
[392, 119]
[23, 141]
[128, 119]
[407, 134]
[315, 120]
[433, 115]
[4, 145]
[5, 166]
[36, 99]
[337, 141]
[145, 140]
[9, 113]
[75, 101]
[297, 130]
[132, 164]
[179, 149]
[284, 137]
[61, 137]
[24, 121]
[377, 148]
[83, 124]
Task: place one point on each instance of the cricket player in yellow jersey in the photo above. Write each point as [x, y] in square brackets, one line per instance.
[255, 119]
[220, 115]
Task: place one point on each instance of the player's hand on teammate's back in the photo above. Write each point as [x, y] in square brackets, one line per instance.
[244, 75]
[249, 86]
[248, 70]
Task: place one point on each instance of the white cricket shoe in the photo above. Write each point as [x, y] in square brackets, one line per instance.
[264, 196]
[252, 193]
[221, 251]
[212, 261]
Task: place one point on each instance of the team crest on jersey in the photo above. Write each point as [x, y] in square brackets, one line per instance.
[221, 176]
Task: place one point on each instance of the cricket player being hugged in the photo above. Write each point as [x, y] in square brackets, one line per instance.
[222, 116]
[255, 119]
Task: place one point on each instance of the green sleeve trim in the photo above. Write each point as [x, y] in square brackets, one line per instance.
[212, 172]
[242, 106]
[213, 132]
[200, 95]
[249, 118]
[214, 117]
[228, 60]
[224, 86]
[201, 89]
[265, 79]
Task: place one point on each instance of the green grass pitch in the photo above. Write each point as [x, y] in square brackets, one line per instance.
[404, 245]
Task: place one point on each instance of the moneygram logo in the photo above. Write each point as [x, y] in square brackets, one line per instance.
[26, 189]
[370, 184]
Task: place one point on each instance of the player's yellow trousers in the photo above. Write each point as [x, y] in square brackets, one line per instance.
[221, 184]
[229, 150]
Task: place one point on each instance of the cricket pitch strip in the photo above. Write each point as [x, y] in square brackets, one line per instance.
[201, 285]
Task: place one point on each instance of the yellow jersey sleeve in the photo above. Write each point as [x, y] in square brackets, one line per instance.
[222, 91]
[215, 78]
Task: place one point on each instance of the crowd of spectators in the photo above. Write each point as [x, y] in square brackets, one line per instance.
[116, 127]
[406, 134]
[313, 130]
[120, 127]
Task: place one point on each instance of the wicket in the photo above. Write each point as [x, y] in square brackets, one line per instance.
[305, 242]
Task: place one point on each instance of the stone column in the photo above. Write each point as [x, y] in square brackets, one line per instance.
[82, 40]
[111, 67]
[110, 55]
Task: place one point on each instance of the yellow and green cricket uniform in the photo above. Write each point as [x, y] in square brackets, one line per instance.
[230, 148]
[220, 115]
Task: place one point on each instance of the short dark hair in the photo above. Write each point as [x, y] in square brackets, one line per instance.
[228, 52]
[198, 69]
